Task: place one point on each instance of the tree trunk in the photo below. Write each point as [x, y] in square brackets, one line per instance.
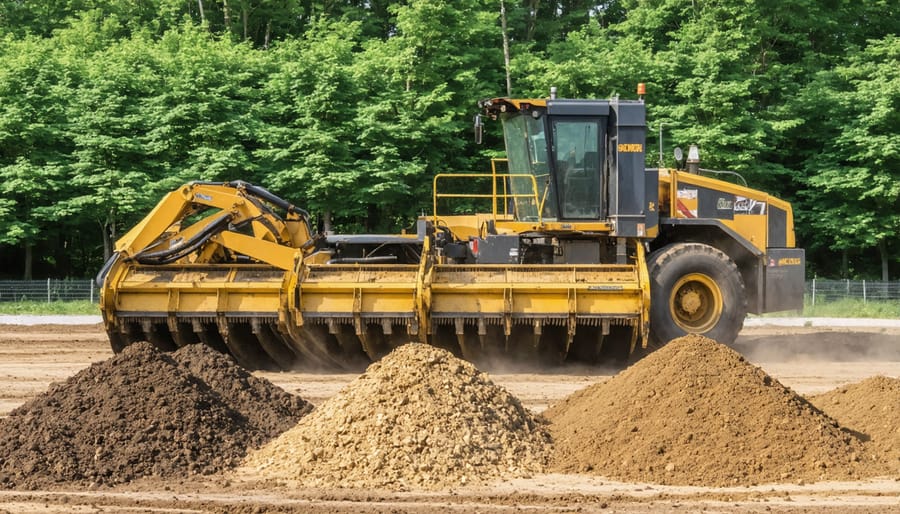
[108, 227]
[107, 242]
[202, 12]
[845, 264]
[246, 13]
[29, 261]
[532, 19]
[226, 13]
[327, 222]
[882, 249]
[372, 218]
[505, 47]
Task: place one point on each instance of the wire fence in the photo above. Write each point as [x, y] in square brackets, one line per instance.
[824, 291]
[50, 290]
[817, 290]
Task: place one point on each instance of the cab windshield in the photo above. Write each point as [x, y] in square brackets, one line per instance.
[526, 150]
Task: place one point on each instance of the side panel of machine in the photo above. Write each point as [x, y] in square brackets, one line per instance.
[652, 202]
[754, 229]
[785, 279]
[627, 194]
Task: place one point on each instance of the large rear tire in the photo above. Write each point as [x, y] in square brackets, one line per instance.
[695, 289]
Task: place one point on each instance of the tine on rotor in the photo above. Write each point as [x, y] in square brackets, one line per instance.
[634, 338]
[459, 325]
[209, 336]
[482, 332]
[538, 331]
[272, 344]
[242, 344]
[158, 335]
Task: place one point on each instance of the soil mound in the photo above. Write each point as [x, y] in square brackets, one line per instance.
[418, 418]
[139, 413]
[266, 406]
[872, 408]
[696, 413]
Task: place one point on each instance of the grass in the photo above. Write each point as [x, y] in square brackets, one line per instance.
[844, 308]
[852, 308]
[74, 307]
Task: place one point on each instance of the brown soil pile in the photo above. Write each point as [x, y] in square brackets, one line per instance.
[872, 408]
[696, 413]
[139, 413]
[418, 418]
[266, 406]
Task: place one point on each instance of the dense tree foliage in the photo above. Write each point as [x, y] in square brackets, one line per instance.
[350, 107]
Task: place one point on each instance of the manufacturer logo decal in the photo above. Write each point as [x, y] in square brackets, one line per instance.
[749, 206]
[630, 147]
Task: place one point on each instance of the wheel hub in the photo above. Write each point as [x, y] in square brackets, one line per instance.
[690, 301]
[696, 303]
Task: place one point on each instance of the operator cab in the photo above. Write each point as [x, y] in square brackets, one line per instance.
[572, 149]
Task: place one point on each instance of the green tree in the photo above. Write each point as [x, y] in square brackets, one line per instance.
[200, 117]
[310, 102]
[33, 141]
[420, 87]
[853, 183]
[112, 176]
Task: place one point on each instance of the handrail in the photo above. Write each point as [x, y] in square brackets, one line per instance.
[494, 162]
[493, 176]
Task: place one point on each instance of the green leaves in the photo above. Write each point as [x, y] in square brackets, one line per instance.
[349, 108]
[853, 182]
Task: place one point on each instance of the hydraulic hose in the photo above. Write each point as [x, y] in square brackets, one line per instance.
[101, 275]
[364, 260]
[268, 196]
[173, 254]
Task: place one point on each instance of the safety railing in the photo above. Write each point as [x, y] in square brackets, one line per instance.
[500, 193]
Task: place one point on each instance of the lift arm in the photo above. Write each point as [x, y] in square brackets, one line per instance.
[201, 220]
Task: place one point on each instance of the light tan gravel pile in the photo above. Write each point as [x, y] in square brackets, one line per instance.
[695, 412]
[419, 418]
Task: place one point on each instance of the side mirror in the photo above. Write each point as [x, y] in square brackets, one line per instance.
[479, 129]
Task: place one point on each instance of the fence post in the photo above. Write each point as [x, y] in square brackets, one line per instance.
[48, 290]
[814, 292]
[91, 287]
[864, 291]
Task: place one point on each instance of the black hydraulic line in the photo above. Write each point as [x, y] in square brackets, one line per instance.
[268, 196]
[206, 183]
[101, 275]
[173, 254]
[171, 257]
[265, 221]
[364, 260]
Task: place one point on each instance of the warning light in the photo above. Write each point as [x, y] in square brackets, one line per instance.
[642, 89]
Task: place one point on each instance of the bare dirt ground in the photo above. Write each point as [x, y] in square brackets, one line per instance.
[808, 360]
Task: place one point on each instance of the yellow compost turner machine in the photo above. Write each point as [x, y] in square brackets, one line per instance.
[585, 254]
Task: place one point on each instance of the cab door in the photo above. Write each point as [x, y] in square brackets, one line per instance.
[578, 152]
